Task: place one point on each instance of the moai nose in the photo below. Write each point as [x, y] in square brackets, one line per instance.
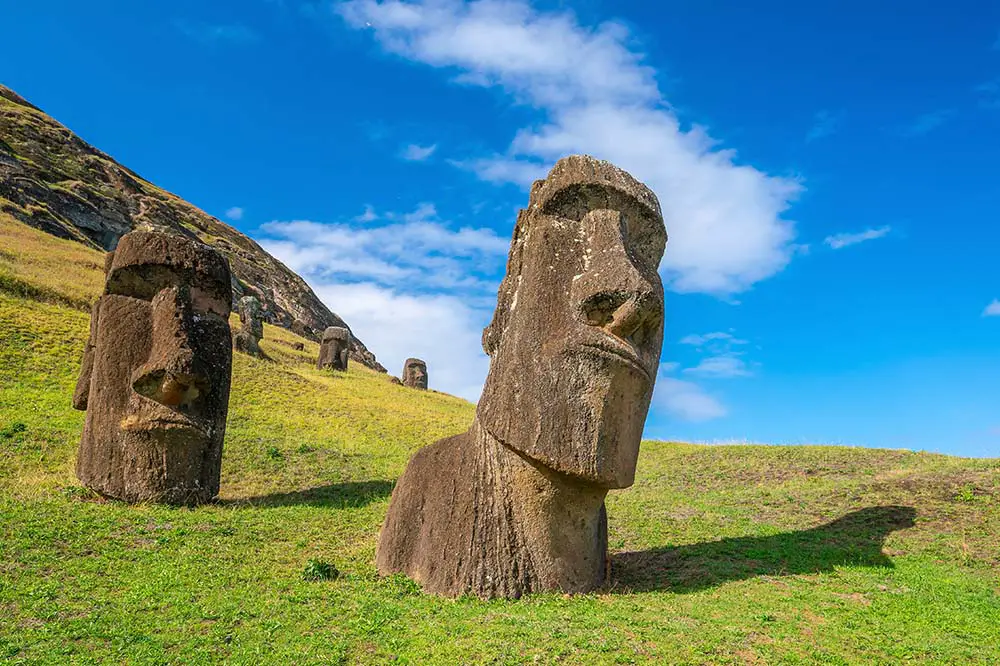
[172, 375]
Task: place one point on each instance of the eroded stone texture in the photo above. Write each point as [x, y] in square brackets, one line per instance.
[247, 339]
[156, 373]
[516, 504]
[334, 348]
[415, 374]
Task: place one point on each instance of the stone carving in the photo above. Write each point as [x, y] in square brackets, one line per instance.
[516, 504]
[247, 339]
[415, 374]
[334, 348]
[156, 372]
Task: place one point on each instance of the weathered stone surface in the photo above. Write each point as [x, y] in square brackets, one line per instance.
[156, 373]
[334, 348]
[415, 374]
[516, 504]
[52, 180]
[247, 339]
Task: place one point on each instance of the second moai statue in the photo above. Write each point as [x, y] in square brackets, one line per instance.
[247, 339]
[334, 348]
[156, 373]
[415, 374]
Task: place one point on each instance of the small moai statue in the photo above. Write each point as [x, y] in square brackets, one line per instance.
[156, 373]
[516, 504]
[247, 339]
[415, 374]
[334, 348]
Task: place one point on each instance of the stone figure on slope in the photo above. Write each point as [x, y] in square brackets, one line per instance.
[516, 504]
[247, 339]
[415, 374]
[156, 373]
[334, 348]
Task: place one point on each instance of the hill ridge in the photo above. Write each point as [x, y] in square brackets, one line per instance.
[53, 180]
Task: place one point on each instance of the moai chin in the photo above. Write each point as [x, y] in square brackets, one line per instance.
[415, 374]
[334, 348]
[156, 373]
[516, 504]
[247, 339]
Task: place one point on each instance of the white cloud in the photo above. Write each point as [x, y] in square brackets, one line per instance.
[824, 125]
[386, 280]
[597, 96]
[235, 214]
[928, 122]
[444, 331]
[720, 367]
[838, 241]
[701, 340]
[684, 399]
[217, 34]
[368, 216]
[993, 309]
[416, 153]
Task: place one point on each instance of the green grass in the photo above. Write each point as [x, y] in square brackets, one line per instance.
[743, 554]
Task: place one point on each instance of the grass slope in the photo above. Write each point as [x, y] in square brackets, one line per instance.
[720, 554]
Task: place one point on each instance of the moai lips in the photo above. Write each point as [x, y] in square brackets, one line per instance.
[156, 373]
[516, 504]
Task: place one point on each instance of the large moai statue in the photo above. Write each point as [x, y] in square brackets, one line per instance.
[516, 504]
[415, 374]
[247, 339]
[334, 347]
[156, 372]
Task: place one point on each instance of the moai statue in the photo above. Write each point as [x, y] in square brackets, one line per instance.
[415, 374]
[156, 372]
[516, 504]
[334, 348]
[247, 339]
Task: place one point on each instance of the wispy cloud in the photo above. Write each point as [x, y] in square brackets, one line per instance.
[369, 215]
[993, 309]
[683, 399]
[839, 241]
[989, 94]
[235, 214]
[701, 340]
[721, 367]
[216, 34]
[927, 122]
[594, 93]
[824, 124]
[417, 153]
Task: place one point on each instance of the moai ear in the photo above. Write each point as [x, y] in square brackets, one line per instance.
[82, 393]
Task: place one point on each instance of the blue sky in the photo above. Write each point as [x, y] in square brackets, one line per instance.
[828, 172]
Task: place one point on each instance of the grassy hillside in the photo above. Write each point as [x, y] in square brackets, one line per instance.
[721, 554]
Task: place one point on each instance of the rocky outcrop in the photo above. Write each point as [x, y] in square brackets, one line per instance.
[53, 180]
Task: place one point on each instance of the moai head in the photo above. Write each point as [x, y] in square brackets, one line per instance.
[415, 374]
[575, 339]
[334, 348]
[156, 372]
[251, 319]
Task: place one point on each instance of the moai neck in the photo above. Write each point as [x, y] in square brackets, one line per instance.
[555, 525]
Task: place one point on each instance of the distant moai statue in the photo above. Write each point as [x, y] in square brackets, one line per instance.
[516, 504]
[334, 348]
[415, 374]
[156, 372]
[247, 339]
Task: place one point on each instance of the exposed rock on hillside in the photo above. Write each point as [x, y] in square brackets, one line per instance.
[54, 181]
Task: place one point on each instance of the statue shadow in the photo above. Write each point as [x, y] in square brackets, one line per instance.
[346, 495]
[854, 539]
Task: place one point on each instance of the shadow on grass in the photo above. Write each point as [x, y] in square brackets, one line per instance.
[350, 494]
[855, 539]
